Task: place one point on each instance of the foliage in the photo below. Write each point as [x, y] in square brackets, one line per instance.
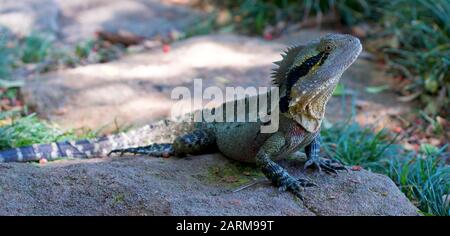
[424, 176]
[353, 144]
[422, 29]
[40, 49]
[253, 16]
[30, 130]
[416, 34]
[6, 57]
[35, 48]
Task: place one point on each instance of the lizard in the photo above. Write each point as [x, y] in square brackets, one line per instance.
[306, 78]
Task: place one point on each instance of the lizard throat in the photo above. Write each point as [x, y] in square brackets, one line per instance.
[308, 108]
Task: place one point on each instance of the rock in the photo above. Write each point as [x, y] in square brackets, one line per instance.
[27, 16]
[174, 186]
[82, 18]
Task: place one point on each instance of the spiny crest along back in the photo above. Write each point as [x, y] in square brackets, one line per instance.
[289, 55]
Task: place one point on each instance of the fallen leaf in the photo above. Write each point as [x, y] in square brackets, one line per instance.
[166, 48]
[165, 155]
[268, 36]
[356, 168]
[376, 89]
[121, 37]
[60, 111]
[409, 98]
[235, 202]
[397, 129]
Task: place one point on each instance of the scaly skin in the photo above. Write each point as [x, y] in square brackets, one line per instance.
[306, 76]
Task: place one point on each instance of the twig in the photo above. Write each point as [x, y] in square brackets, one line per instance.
[249, 185]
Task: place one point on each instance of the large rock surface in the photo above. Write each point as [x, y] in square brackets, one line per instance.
[150, 186]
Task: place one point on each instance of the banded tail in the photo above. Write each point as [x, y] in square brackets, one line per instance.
[66, 149]
[162, 131]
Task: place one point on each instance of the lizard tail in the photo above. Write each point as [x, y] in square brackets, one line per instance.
[159, 132]
[66, 149]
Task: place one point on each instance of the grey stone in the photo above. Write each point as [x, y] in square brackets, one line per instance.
[150, 186]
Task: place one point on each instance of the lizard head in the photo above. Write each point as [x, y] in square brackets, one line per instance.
[308, 74]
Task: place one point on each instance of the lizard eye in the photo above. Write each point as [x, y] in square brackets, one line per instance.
[328, 47]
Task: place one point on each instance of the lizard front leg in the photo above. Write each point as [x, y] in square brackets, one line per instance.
[274, 172]
[312, 152]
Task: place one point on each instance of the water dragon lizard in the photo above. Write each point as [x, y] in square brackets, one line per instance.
[306, 77]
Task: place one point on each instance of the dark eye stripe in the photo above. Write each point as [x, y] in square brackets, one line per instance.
[294, 74]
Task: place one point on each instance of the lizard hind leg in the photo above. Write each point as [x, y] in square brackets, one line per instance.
[197, 142]
[155, 150]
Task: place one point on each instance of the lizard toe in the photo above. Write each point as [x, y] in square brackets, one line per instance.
[329, 166]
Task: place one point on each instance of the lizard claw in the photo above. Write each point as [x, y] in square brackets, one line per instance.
[306, 183]
[328, 165]
[296, 186]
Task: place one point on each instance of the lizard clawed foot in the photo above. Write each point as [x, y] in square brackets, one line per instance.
[328, 165]
[296, 186]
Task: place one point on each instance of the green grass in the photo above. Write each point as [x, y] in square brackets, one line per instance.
[35, 48]
[353, 144]
[424, 176]
[6, 57]
[30, 130]
[425, 179]
[38, 48]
